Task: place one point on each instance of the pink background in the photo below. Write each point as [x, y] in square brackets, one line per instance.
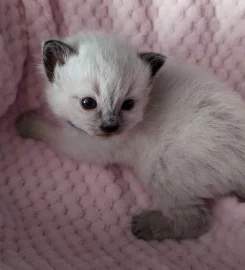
[58, 214]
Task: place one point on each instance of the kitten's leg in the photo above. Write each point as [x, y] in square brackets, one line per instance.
[240, 194]
[182, 222]
[75, 144]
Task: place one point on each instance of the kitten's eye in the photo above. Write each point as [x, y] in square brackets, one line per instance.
[127, 105]
[88, 103]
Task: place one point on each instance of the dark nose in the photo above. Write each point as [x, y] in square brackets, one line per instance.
[109, 128]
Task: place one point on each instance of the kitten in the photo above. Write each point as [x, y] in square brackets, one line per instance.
[181, 130]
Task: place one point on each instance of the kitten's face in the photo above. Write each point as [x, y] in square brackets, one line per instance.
[97, 84]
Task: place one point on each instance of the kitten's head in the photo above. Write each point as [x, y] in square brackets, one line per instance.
[98, 83]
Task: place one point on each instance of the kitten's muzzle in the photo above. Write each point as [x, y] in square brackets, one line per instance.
[109, 128]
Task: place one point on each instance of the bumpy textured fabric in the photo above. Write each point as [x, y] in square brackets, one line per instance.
[58, 214]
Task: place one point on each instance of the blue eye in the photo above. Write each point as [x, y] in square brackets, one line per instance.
[127, 105]
[88, 103]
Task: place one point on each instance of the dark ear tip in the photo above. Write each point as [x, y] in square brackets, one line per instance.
[154, 60]
[46, 45]
[55, 52]
[58, 47]
[48, 42]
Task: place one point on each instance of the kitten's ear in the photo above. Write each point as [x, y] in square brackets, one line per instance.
[55, 52]
[154, 60]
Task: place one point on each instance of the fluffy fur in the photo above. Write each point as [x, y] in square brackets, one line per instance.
[185, 137]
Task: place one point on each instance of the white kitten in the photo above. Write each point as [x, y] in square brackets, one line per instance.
[181, 130]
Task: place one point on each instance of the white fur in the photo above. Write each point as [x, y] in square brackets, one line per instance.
[187, 142]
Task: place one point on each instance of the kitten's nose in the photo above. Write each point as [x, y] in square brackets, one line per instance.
[109, 128]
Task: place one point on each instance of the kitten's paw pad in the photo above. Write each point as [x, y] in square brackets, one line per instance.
[26, 124]
[145, 225]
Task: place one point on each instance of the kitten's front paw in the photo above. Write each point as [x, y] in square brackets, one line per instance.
[148, 225]
[27, 125]
[153, 225]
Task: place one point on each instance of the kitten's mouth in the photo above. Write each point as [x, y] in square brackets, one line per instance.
[108, 135]
[96, 133]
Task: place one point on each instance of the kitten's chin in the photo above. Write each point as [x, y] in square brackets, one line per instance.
[107, 135]
[104, 135]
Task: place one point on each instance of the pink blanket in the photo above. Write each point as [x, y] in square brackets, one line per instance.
[58, 214]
